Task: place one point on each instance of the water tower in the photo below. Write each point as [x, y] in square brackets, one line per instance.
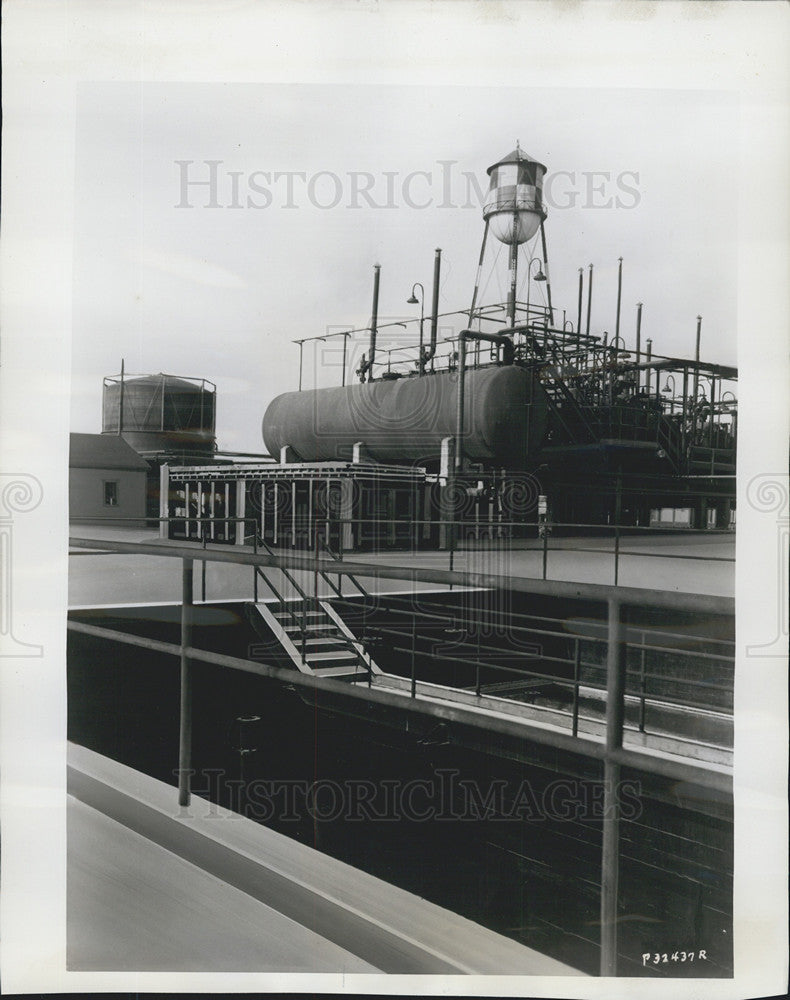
[513, 211]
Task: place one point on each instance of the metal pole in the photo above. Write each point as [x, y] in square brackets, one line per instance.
[421, 363]
[185, 708]
[638, 344]
[437, 269]
[546, 272]
[374, 320]
[477, 288]
[619, 294]
[649, 359]
[610, 854]
[545, 546]
[345, 346]
[618, 509]
[513, 273]
[413, 660]
[120, 406]
[576, 675]
[696, 358]
[589, 299]
[459, 416]
[301, 345]
[581, 287]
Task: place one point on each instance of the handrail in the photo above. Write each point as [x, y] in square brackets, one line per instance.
[631, 596]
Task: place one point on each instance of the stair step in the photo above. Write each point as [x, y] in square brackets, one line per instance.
[317, 627]
[338, 672]
[288, 615]
[333, 656]
[331, 641]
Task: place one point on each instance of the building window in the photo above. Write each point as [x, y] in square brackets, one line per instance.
[111, 493]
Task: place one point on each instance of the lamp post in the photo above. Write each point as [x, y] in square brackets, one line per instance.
[670, 393]
[730, 406]
[413, 300]
[540, 276]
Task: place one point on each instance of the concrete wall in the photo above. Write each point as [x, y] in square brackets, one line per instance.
[86, 494]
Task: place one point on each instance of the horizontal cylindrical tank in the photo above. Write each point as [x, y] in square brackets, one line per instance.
[405, 419]
[162, 414]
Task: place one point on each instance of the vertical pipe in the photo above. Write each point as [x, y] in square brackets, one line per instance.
[511, 302]
[696, 358]
[345, 347]
[301, 345]
[589, 299]
[413, 655]
[638, 344]
[619, 294]
[610, 866]
[120, 405]
[459, 416]
[618, 510]
[315, 567]
[374, 320]
[437, 268]
[546, 272]
[642, 684]
[185, 707]
[581, 288]
[421, 349]
[648, 372]
[545, 547]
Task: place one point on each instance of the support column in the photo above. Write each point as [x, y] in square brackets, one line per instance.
[164, 500]
[185, 708]
[446, 511]
[293, 514]
[212, 509]
[610, 852]
[346, 514]
[241, 509]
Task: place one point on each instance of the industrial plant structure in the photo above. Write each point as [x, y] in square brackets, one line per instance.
[517, 425]
[481, 435]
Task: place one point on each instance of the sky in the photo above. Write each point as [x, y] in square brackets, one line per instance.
[311, 185]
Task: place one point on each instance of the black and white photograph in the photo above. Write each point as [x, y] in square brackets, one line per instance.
[395, 505]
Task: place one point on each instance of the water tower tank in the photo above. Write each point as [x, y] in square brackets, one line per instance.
[513, 206]
[163, 415]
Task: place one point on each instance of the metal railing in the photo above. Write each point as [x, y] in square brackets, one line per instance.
[611, 752]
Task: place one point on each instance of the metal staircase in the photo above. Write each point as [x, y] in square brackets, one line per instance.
[562, 402]
[310, 630]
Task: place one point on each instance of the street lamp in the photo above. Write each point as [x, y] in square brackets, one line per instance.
[540, 276]
[670, 392]
[413, 300]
